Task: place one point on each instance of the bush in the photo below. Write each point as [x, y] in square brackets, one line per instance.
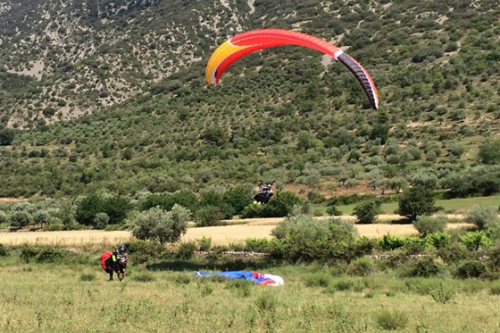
[416, 201]
[318, 280]
[166, 201]
[267, 303]
[454, 253]
[3, 217]
[475, 240]
[489, 152]
[280, 205]
[50, 255]
[367, 211]
[428, 225]
[143, 251]
[87, 277]
[3, 251]
[361, 267]
[101, 220]
[442, 295]
[483, 217]
[259, 245]
[252, 210]
[343, 285]
[143, 277]
[42, 217]
[205, 243]
[333, 211]
[390, 243]
[391, 320]
[438, 239]
[186, 251]
[156, 224]
[472, 269]
[424, 268]
[303, 238]
[495, 289]
[209, 216]
[238, 198]
[87, 209]
[20, 219]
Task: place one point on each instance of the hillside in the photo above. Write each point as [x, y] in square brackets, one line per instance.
[285, 114]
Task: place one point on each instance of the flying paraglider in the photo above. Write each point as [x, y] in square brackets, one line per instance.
[246, 43]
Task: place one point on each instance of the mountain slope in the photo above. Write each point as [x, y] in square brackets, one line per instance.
[287, 114]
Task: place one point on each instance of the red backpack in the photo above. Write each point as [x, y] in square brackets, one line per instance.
[104, 257]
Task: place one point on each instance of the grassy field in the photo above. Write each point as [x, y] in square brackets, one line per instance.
[454, 205]
[220, 235]
[49, 298]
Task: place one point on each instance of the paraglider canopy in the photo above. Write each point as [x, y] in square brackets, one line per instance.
[246, 43]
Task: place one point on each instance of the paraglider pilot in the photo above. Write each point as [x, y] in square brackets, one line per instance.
[117, 262]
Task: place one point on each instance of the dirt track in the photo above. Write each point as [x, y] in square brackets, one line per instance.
[255, 228]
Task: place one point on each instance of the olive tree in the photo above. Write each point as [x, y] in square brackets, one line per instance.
[157, 224]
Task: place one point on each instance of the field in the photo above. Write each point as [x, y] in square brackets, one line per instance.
[50, 298]
[453, 205]
[258, 228]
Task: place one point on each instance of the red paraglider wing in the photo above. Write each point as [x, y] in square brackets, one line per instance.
[246, 43]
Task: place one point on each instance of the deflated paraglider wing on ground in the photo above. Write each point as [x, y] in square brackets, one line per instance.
[246, 43]
[258, 278]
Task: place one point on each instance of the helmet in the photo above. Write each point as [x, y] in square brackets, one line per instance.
[123, 247]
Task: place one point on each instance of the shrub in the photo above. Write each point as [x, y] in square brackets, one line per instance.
[143, 251]
[438, 239]
[252, 210]
[87, 277]
[416, 201]
[494, 258]
[87, 208]
[28, 253]
[489, 152]
[304, 238]
[208, 216]
[475, 240]
[483, 217]
[3, 217]
[425, 268]
[182, 279]
[101, 220]
[318, 280]
[259, 245]
[343, 284]
[391, 320]
[315, 197]
[238, 198]
[361, 267]
[495, 289]
[391, 243]
[333, 211]
[186, 251]
[442, 295]
[454, 253]
[143, 277]
[428, 225]
[166, 201]
[267, 303]
[156, 224]
[3, 251]
[367, 211]
[472, 269]
[50, 255]
[242, 287]
[205, 243]
[20, 219]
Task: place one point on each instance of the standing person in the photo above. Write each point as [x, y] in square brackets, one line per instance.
[121, 260]
[109, 263]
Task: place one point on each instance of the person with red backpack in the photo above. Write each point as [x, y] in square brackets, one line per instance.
[115, 261]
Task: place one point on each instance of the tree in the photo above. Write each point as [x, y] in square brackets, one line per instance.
[208, 216]
[20, 219]
[483, 217]
[42, 217]
[457, 149]
[7, 136]
[416, 201]
[428, 225]
[157, 224]
[489, 152]
[87, 209]
[367, 211]
[101, 220]
[238, 198]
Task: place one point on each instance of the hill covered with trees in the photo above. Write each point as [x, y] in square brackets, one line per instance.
[285, 114]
